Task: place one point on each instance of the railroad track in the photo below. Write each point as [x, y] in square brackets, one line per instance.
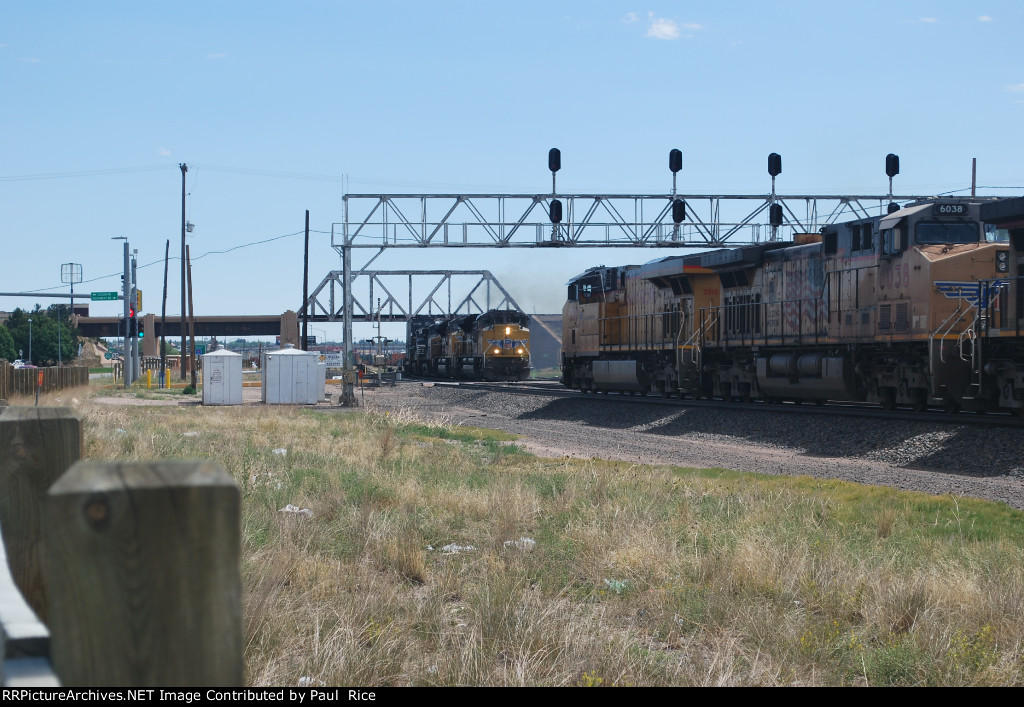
[555, 389]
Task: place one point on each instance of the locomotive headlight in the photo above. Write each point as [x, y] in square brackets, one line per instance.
[508, 330]
[1003, 261]
[497, 351]
[519, 351]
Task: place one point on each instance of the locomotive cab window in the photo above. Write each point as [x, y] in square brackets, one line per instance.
[945, 232]
[994, 234]
[860, 237]
[893, 240]
[866, 242]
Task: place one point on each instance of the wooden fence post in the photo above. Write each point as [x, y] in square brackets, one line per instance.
[24, 640]
[144, 575]
[37, 445]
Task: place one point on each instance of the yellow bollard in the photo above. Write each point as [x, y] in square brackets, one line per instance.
[149, 379]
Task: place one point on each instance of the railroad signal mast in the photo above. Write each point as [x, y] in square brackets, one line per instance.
[384, 221]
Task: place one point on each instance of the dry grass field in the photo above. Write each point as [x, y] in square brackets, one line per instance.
[581, 572]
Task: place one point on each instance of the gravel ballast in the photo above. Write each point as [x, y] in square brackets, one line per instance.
[938, 458]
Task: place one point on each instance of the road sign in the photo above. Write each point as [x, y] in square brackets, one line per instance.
[107, 355]
[138, 300]
[103, 296]
[333, 359]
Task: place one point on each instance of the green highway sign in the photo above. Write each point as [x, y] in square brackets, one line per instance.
[103, 296]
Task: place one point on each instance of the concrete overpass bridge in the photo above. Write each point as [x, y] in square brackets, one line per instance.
[284, 325]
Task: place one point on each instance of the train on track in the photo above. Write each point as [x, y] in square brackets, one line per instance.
[921, 307]
[492, 346]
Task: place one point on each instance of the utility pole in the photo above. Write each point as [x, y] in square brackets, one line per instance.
[164, 383]
[192, 319]
[136, 361]
[305, 287]
[126, 368]
[184, 168]
[348, 387]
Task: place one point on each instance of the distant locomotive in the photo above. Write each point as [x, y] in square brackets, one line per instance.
[494, 345]
[923, 306]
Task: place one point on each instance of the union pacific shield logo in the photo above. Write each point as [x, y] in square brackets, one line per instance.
[971, 292]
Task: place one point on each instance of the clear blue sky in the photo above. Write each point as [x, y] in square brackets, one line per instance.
[272, 104]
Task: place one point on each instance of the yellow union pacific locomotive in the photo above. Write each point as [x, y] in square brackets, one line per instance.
[494, 345]
[921, 307]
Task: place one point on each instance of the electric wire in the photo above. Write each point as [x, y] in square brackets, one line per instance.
[85, 173]
[178, 257]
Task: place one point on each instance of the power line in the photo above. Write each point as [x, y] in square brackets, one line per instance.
[277, 174]
[272, 173]
[160, 261]
[86, 173]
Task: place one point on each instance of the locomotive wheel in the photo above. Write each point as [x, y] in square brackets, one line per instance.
[889, 404]
[1017, 412]
[951, 406]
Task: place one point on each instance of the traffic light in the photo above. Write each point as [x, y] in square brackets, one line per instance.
[775, 215]
[892, 165]
[555, 211]
[554, 159]
[675, 160]
[678, 211]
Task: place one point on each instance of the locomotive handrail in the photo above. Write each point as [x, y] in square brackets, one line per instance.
[1001, 286]
[634, 332]
[779, 305]
[968, 335]
[958, 313]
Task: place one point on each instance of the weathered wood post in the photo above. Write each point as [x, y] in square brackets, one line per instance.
[144, 575]
[24, 640]
[37, 445]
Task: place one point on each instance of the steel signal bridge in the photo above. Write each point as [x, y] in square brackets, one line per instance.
[668, 220]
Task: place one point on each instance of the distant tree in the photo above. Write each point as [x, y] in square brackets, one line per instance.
[7, 348]
[44, 334]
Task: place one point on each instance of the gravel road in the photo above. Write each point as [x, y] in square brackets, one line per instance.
[984, 462]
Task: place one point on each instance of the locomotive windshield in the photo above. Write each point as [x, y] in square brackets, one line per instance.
[502, 316]
[940, 232]
[994, 234]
